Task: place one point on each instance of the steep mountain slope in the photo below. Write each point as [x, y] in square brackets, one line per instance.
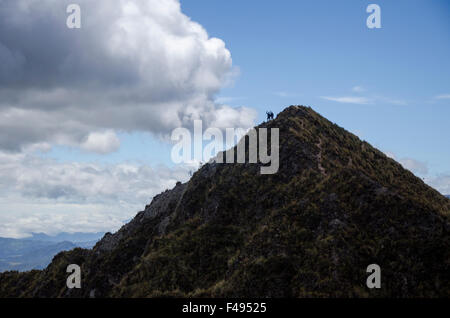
[335, 206]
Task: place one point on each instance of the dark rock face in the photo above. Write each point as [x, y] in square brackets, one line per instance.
[335, 206]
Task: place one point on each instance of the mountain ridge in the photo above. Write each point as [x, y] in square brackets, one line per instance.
[335, 206]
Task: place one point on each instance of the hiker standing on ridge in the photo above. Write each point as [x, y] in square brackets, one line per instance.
[269, 115]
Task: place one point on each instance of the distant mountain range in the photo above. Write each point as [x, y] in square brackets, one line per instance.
[38, 251]
[71, 237]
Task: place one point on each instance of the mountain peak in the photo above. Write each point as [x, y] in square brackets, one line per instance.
[335, 206]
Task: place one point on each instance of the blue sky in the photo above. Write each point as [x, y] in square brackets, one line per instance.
[302, 50]
[91, 151]
[297, 52]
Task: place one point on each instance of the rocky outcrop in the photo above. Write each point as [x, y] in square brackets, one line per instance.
[160, 207]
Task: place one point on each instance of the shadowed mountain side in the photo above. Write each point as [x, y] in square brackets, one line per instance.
[335, 206]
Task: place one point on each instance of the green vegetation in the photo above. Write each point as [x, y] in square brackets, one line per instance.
[335, 206]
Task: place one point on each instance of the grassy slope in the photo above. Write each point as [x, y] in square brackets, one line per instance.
[335, 206]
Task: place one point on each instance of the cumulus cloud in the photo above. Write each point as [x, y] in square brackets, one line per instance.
[101, 142]
[227, 117]
[44, 195]
[135, 65]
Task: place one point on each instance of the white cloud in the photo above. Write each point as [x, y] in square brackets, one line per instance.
[227, 117]
[390, 155]
[440, 183]
[393, 101]
[44, 195]
[397, 102]
[227, 99]
[135, 65]
[358, 89]
[415, 166]
[30, 216]
[349, 99]
[101, 142]
[364, 100]
[285, 94]
[442, 96]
